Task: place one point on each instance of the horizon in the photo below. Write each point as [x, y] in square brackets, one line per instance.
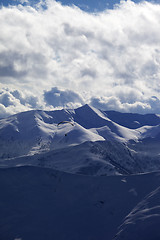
[86, 104]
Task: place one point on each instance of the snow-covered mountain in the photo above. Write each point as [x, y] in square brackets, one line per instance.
[79, 174]
[82, 140]
[133, 120]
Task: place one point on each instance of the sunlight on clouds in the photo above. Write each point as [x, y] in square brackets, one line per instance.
[109, 59]
[14, 101]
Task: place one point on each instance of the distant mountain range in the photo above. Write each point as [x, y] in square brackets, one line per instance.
[83, 140]
[55, 175]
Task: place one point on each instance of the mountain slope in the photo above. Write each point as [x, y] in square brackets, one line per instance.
[77, 174]
[133, 120]
[89, 158]
[143, 222]
[65, 139]
[38, 131]
[38, 203]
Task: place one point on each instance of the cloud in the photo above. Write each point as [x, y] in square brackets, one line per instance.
[29, 100]
[6, 99]
[24, 1]
[12, 102]
[150, 105]
[60, 98]
[110, 59]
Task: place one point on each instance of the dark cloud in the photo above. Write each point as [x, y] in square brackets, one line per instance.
[9, 62]
[31, 100]
[88, 72]
[77, 32]
[104, 103]
[60, 98]
[6, 99]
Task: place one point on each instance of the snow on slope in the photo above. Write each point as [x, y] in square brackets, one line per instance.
[143, 222]
[64, 135]
[133, 120]
[96, 120]
[38, 203]
[149, 132]
[37, 131]
[125, 151]
[89, 158]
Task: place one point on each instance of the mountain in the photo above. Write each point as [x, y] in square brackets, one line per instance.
[40, 203]
[79, 174]
[37, 131]
[133, 120]
[82, 140]
[143, 221]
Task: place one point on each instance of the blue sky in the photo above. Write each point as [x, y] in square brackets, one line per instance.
[87, 5]
[61, 56]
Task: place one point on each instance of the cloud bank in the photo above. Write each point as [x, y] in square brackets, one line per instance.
[12, 102]
[60, 55]
[56, 97]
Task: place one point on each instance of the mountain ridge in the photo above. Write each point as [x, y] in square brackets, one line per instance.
[39, 133]
[90, 176]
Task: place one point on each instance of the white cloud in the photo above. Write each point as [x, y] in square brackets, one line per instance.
[24, 1]
[13, 101]
[113, 55]
[145, 105]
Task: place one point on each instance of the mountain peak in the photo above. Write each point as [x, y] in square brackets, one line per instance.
[36, 132]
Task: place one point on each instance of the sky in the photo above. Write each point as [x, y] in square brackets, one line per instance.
[69, 53]
[86, 5]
